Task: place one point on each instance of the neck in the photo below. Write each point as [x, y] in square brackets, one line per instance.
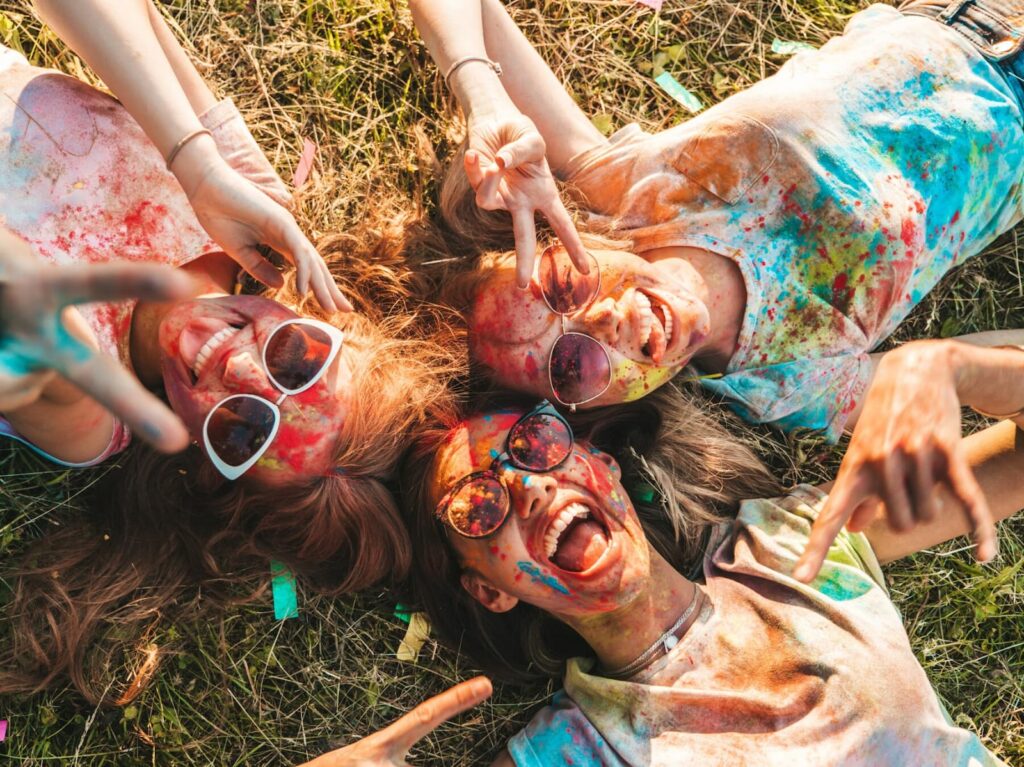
[214, 274]
[718, 282]
[619, 637]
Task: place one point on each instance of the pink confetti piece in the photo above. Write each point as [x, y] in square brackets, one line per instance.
[3, 730]
[305, 163]
[655, 4]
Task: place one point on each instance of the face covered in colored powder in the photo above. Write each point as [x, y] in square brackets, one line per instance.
[571, 544]
[649, 323]
[212, 348]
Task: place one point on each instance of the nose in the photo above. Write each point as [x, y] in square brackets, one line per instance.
[603, 320]
[531, 493]
[242, 372]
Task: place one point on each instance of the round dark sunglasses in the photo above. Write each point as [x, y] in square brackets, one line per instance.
[579, 368]
[479, 503]
[240, 428]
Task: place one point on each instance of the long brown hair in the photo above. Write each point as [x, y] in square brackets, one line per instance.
[683, 470]
[159, 527]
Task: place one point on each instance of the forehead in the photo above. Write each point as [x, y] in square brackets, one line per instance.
[504, 313]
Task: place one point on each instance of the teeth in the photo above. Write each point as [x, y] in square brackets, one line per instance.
[643, 305]
[668, 325]
[210, 347]
[565, 517]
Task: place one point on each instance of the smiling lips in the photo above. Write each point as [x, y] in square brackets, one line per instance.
[656, 324]
[575, 541]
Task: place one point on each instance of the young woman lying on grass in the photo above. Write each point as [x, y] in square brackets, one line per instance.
[296, 414]
[691, 644]
[774, 240]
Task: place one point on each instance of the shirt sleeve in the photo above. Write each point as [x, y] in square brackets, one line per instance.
[560, 733]
[814, 394]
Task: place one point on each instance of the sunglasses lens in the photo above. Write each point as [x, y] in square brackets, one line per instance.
[564, 287]
[238, 428]
[297, 354]
[540, 442]
[478, 507]
[579, 369]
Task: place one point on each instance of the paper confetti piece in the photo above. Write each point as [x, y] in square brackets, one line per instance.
[305, 163]
[671, 86]
[3, 730]
[789, 47]
[417, 633]
[402, 613]
[655, 4]
[282, 584]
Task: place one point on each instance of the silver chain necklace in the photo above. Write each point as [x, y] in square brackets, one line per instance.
[662, 645]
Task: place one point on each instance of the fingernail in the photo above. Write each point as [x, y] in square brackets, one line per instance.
[481, 686]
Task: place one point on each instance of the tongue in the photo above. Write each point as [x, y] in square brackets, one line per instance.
[580, 546]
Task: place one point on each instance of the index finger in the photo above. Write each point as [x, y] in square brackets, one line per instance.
[844, 498]
[426, 717]
[966, 488]
[565, 230]
[110, 384]
[114, 282]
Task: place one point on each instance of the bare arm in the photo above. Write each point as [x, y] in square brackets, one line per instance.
[536, 91]
[506, 161]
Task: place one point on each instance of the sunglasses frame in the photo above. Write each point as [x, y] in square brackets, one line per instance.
[443, 510]
[562, 317]
[234, 472]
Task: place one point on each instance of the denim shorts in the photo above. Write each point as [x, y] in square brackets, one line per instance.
[996, 27]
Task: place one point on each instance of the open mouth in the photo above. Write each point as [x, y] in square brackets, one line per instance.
[201, 340]
[576, 539]
[656, 326]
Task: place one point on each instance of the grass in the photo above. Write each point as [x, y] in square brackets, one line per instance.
[354, 76]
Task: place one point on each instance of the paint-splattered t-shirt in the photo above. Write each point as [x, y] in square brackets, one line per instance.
[844, 187]
[773, 673]
[81, 183]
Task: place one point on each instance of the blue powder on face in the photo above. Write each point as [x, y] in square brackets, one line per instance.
[536, 576]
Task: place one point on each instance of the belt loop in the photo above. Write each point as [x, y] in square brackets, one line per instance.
[949, 14]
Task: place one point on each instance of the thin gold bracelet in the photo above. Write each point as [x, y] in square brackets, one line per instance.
[1002, 416]
[185, 139]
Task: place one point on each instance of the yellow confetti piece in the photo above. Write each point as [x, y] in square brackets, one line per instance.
[417, 633]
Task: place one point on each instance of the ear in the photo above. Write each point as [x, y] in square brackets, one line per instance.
[491, 597]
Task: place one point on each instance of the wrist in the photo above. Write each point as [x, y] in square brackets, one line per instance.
[479, 91]
[195, 161]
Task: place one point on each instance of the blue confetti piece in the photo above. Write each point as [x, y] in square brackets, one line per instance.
[671, 86]
[282, 584]
[789, 47]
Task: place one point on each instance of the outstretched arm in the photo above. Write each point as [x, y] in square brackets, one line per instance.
[906, 453]
[506, 162]
[118, 39]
